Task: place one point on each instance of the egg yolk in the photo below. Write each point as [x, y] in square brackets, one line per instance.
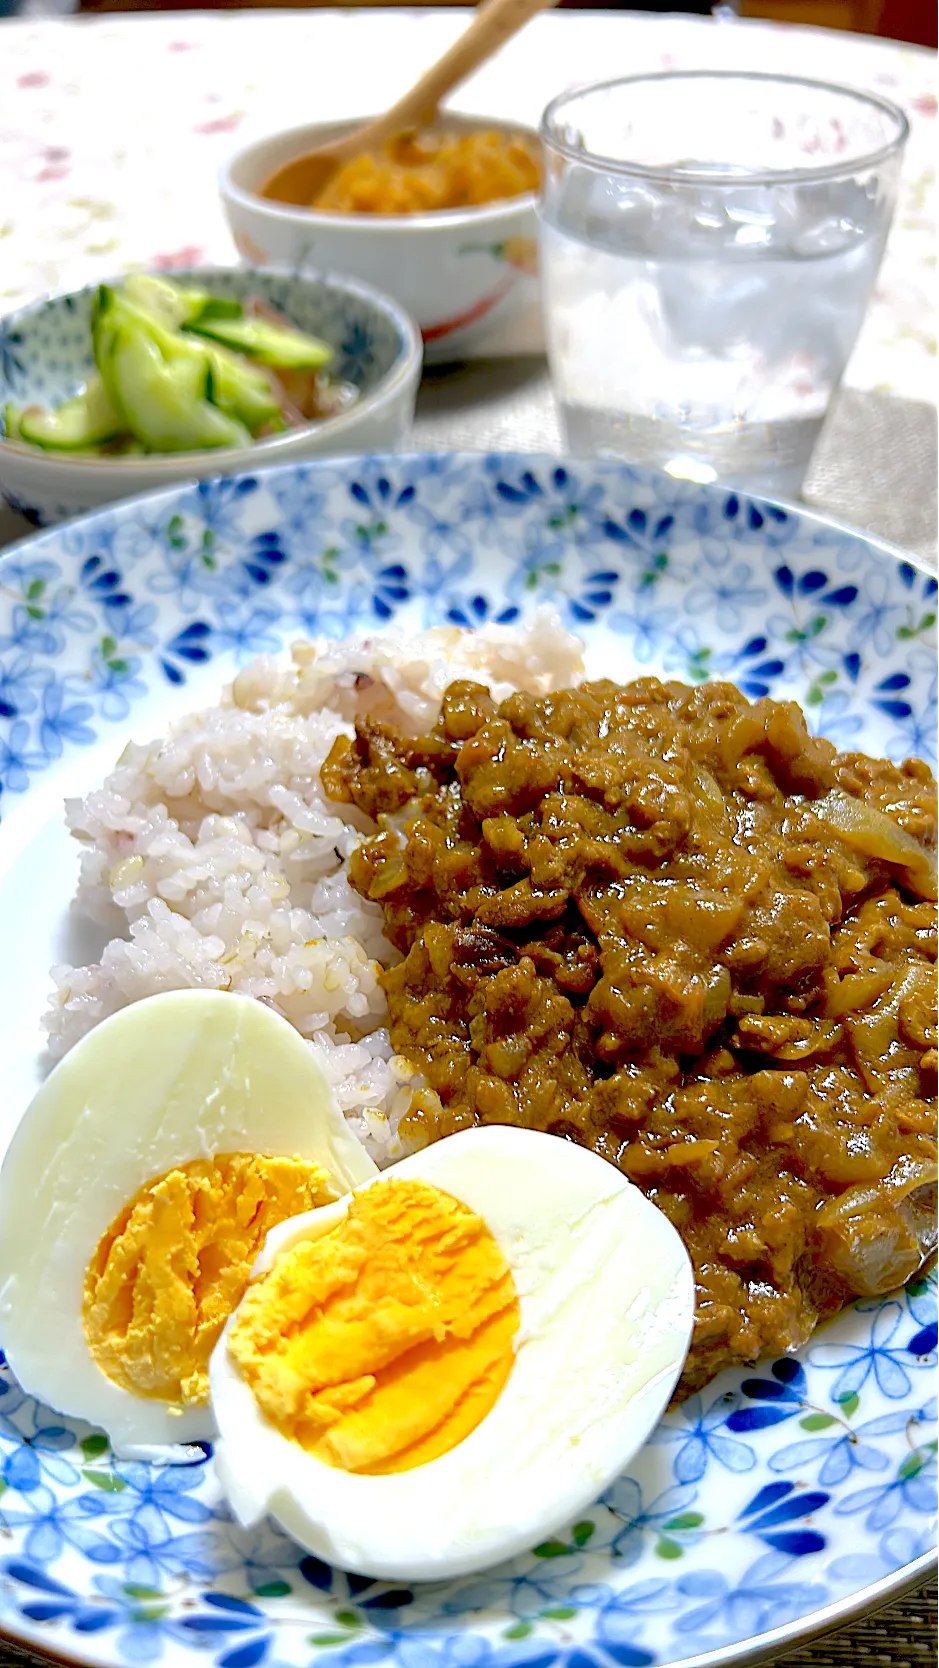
[175, 1263]
[383, 1343]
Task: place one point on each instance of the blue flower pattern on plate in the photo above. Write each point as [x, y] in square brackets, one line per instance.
[773, 1493]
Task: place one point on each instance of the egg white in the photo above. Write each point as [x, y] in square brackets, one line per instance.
[181, 1076]
[606, 1294]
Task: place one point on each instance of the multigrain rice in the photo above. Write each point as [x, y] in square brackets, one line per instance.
[216, 861]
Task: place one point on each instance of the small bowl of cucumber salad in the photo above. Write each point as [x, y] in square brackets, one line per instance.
[126, 386]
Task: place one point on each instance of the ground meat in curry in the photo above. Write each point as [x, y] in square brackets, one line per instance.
[674, 927]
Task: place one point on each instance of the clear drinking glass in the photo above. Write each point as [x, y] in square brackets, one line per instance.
[709, 243]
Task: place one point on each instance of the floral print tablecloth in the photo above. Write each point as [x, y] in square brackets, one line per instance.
[112, 128]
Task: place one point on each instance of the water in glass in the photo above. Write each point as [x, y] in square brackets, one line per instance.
[699, 316]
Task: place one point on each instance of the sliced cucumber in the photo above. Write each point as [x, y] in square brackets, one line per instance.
[162, 382]
[166, 302]
[269, 344]
[221, 307]
[75, 426]
[11, 422]
[237, 386]
[167, 380]
[115, 311]
[159, 399]
[173, 374]
[177, 304]
[106, 313]
[239, 389]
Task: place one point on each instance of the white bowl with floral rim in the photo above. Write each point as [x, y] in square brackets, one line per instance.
[460, 273]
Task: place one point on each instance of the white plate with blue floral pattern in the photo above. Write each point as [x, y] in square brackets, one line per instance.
[778, 1501]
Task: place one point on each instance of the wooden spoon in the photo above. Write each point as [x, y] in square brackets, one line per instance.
[494, 22]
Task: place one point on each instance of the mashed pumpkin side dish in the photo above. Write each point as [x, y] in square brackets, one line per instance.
[419, 173]
[382, 1344]
[170, 1270]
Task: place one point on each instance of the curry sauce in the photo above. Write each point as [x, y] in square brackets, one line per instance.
[674, 927]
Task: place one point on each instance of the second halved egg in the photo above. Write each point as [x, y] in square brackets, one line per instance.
[439, 1371]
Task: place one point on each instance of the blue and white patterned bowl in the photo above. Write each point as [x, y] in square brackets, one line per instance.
[45, 356]
[774, 1504]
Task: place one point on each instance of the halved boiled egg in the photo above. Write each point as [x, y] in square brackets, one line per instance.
[136, 1193]
[443, 1368]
